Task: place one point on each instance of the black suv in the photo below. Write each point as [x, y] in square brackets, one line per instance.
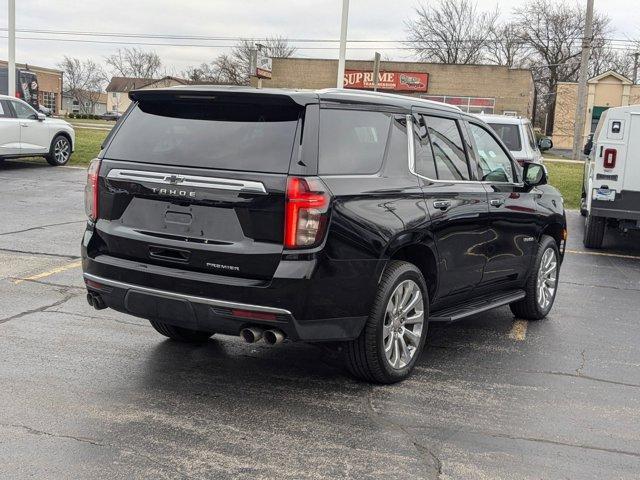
[332, 216]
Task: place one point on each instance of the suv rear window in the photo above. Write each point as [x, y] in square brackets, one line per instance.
[509, 134]
[352, 142]
[238, 136]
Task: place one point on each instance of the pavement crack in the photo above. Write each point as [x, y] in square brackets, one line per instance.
[586, 377]
[612, 287]
[560, 443]
[26, 252]
[66, 298]
[34, 431]
[423, 450]
[41, 227]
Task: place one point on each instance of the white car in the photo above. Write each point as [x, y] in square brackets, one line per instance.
[517, 135]
[25, 132]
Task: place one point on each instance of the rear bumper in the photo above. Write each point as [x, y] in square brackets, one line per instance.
[310, 300]
[626, 206]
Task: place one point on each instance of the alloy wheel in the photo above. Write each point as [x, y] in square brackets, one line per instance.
[403, 324]
[61, 151]
[547, 279]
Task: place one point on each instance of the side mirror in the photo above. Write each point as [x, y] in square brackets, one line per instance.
[535, 174]
[588, 146]
[545, 144]
[41, 117]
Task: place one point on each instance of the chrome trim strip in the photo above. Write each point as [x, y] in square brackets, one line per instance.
[189, 298]
[186, 180]
[412, 161]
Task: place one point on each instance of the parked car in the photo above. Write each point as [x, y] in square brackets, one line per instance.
[611, 187]
[111, 116]
[517, 134]
[332, 216]
[24, 132]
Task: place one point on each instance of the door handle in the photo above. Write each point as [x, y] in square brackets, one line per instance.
[24, 124]
[442, 204]
[496, 202]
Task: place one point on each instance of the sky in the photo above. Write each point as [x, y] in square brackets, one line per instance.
[299, 19]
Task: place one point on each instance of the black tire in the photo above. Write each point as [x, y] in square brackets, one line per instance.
[58, 160]
[529, 308]
[365, 356]
[594, 228]
[180, 334]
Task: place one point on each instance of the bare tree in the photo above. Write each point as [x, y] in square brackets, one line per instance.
[553, 31]
[233, 69]
[135, 62]
[451, 31]
[506, 47]
[83, 81]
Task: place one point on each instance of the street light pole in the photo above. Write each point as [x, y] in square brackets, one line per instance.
[581, 108]
[343, 43]
[11, 70]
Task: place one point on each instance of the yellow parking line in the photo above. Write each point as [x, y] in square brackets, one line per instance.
[518, 330]
[48, 273]
[603, 254]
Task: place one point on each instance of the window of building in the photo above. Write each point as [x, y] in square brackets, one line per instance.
[352, 141]
[448, 148]
[466, 104]
[49, 100]
[494, 161]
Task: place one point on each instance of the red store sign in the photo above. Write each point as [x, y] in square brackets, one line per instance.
[397, 81]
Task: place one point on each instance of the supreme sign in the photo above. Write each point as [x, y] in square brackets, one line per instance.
[397, 81]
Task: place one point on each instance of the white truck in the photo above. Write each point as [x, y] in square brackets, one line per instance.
[611, 187]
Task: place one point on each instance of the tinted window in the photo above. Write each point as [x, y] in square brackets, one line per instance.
[509, 134]
[531, 137]
[5, 112]
[23, 110]
[425, 163]
[352, 141]
[451, 160]
[250, 137]
[493, 160]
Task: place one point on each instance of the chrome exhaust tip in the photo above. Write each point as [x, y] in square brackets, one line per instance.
[274, 337]
[251, 334]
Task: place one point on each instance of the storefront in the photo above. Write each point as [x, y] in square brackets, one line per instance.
[49, 85]
[473, 88]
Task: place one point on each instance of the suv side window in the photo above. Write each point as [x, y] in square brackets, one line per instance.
[352, 142]
[5, 110]
[24, 111]
[531, 137]
[494, 162]
[448, 149]
[425, 164]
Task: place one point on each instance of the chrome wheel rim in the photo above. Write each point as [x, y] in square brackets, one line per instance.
[547, 279]
[403, 324]
[61, 151]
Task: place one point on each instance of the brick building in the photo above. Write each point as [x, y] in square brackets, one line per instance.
[609, 89]
[474, 88]
[49, 84]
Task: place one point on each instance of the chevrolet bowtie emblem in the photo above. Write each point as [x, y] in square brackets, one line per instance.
[174, 179]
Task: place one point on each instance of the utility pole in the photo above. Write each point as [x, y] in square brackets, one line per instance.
[11, 70]
[376, 71]
[581, 108]
[343, 43]
[636, 56]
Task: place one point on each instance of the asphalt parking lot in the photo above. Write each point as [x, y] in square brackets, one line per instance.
[98, 394]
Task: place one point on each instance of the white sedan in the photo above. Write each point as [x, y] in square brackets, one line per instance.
[25, 132]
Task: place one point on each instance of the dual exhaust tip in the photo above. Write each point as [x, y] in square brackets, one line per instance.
[255, 334]
[96, 301]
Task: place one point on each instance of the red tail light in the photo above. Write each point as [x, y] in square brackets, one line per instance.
[306, 214]
[91, 190]
[18, 94]
[610, 155]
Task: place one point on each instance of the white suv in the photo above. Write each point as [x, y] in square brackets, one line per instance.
[517, 135]
[27, 133]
